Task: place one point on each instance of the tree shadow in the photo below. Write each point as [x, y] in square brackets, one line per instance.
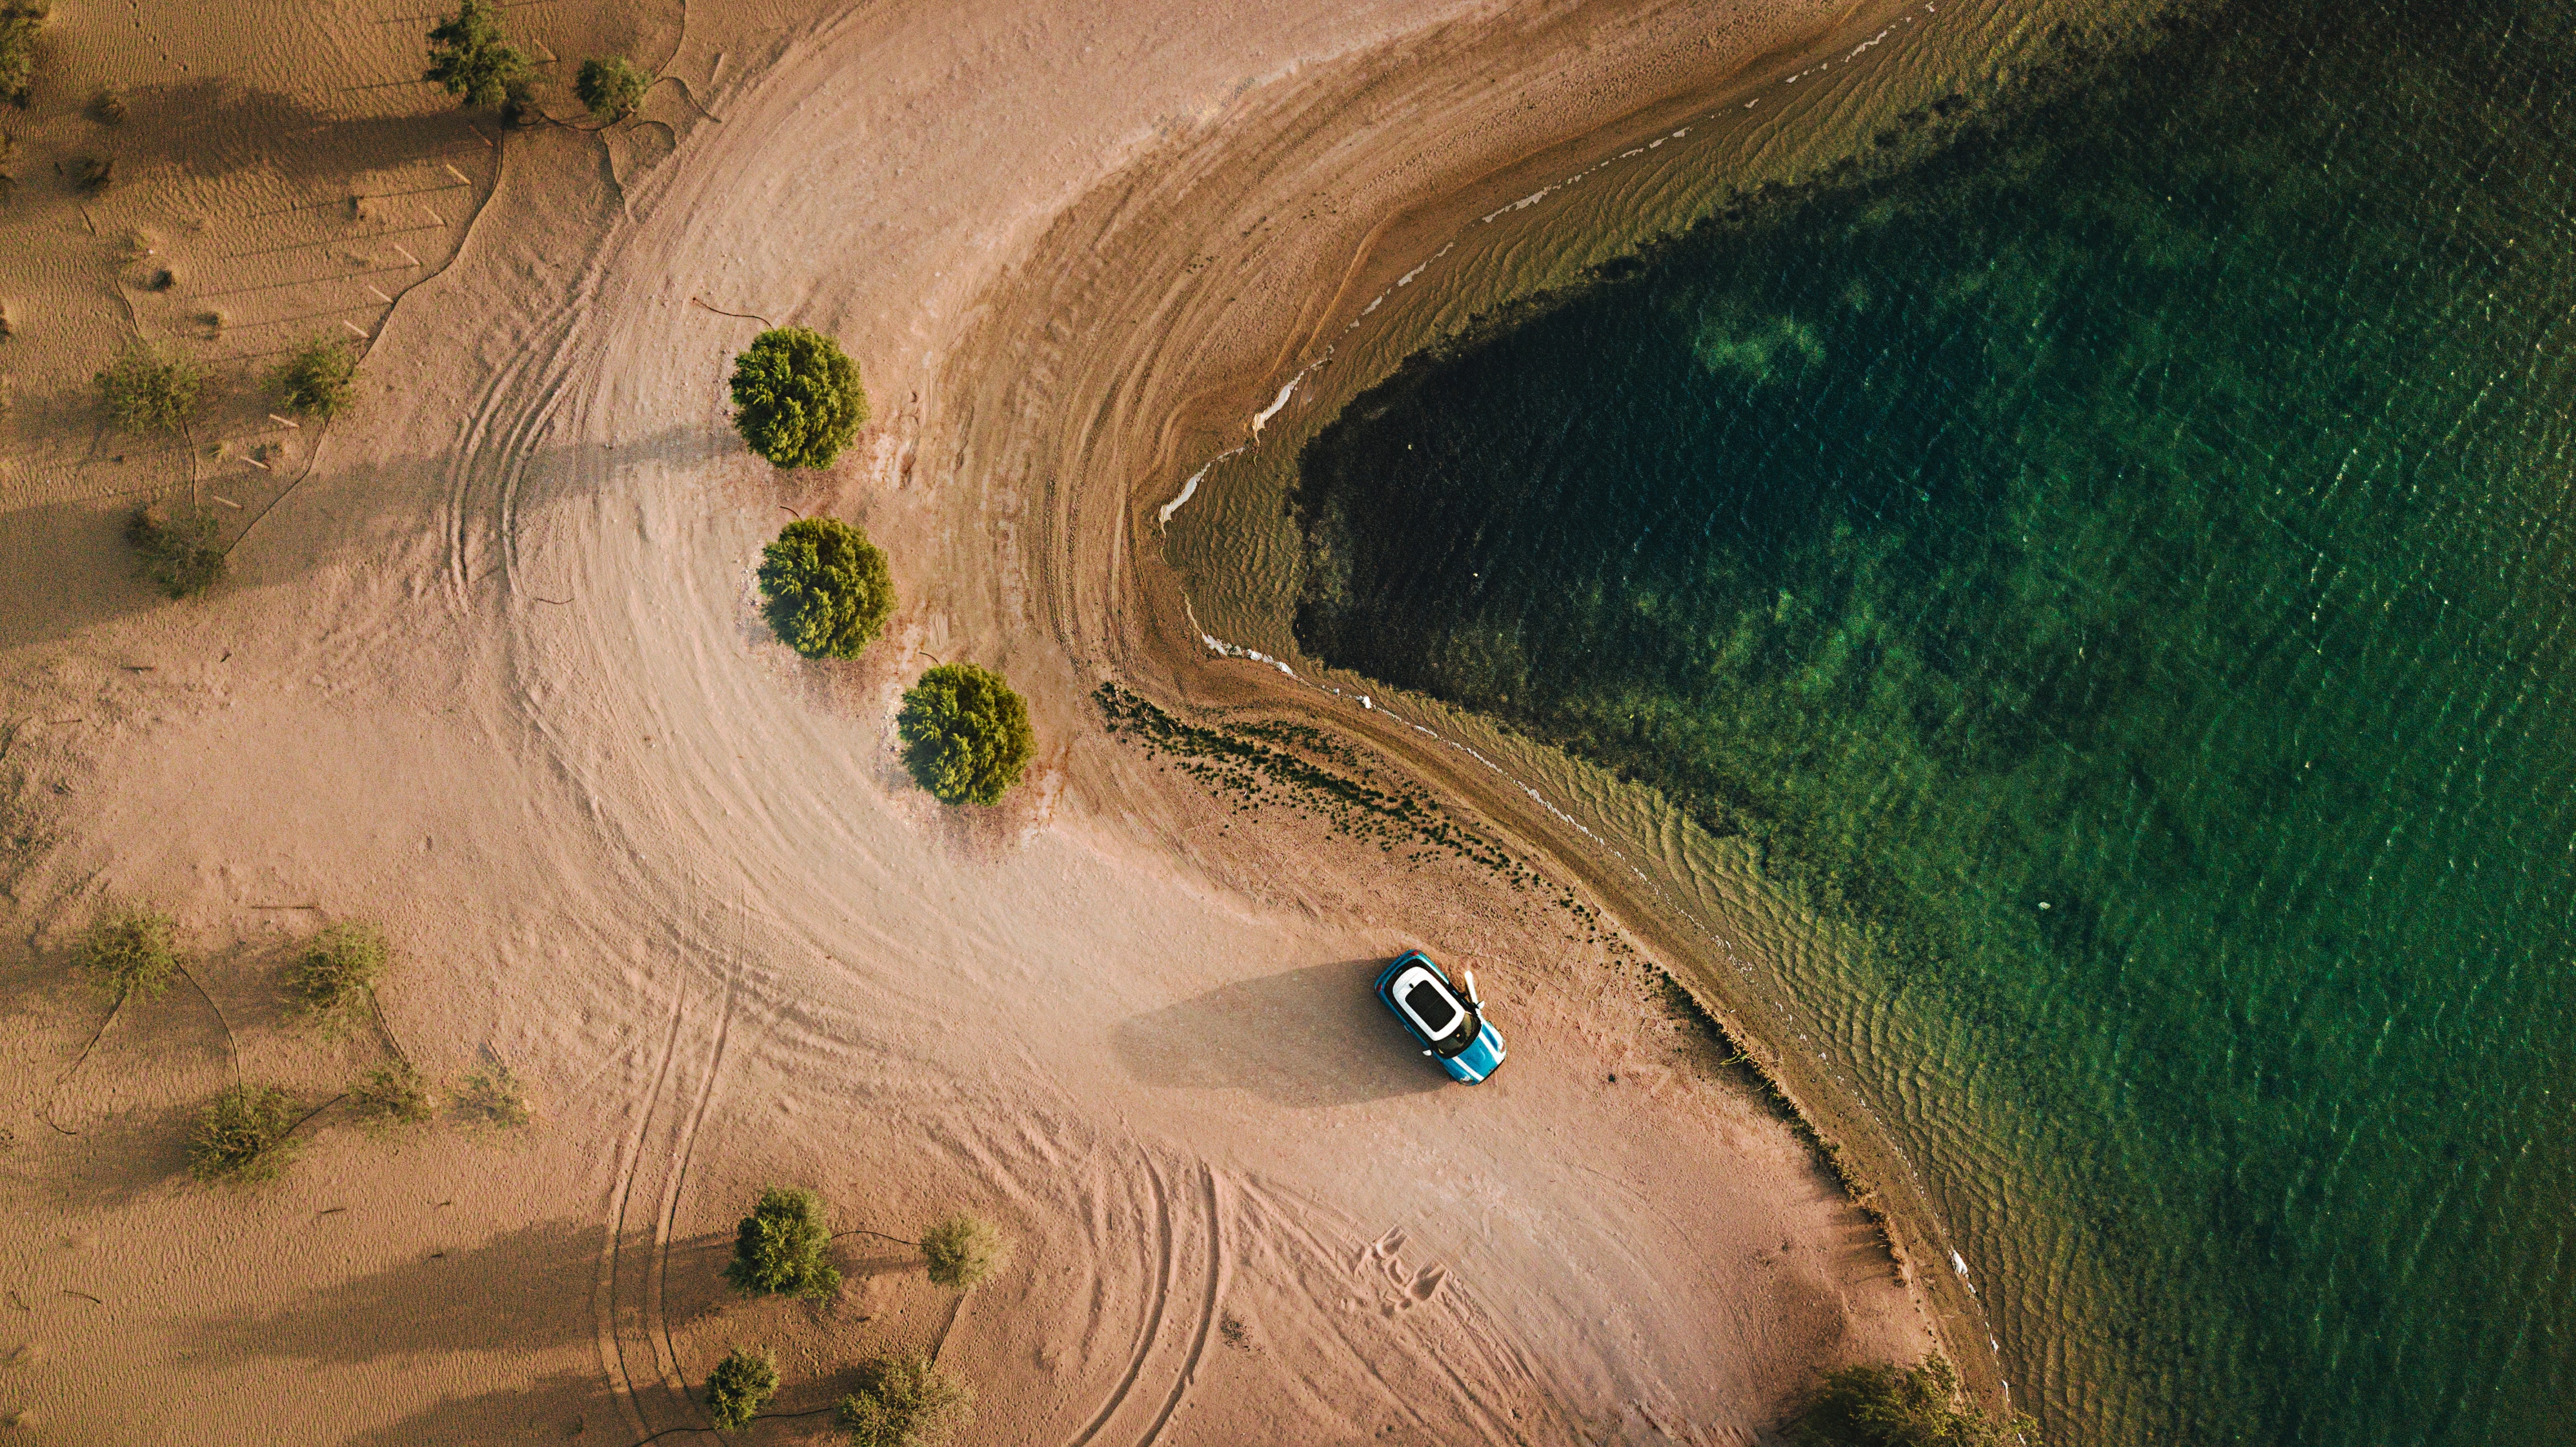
[211, 128]
[565, 1406]
[1307, 1039]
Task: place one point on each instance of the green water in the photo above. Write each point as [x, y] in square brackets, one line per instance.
[2119, 562]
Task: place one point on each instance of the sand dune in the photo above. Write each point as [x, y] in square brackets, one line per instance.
[489, 672]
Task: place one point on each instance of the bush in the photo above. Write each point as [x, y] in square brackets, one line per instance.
[179, 554]
[337, 971]
[317, 379]
[134, 951]
[493, 1097]
[904, 1401]
[610, 89]
[468, 56]
[108, 108]
[743, 1383]
[962, 1251]
[392, 1095]
[825, 589]
[796, 398]
[19, 23]
[241, 1136]
[149, 388]
[966, 734]
[1890, 1406]
[783, 1248]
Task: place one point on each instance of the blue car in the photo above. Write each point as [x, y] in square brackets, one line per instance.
[1448, 1022]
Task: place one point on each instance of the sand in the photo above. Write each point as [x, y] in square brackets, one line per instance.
[489, 672]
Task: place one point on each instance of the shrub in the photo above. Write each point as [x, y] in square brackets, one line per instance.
[610, 89]
[797, 398]
[825, 589]
[966, 734]
[19, 23]
[108, 108]
[962, 1251]
[493, 1097]
[134, 951]
[317, 379]
[468, 56]
[337, 970]
[179, 554]
[743, 1383]
[392, 1095]
[150, 388]
[904, 1401]
[1891, 1406]
[783, 1248]
[241, 1135]
[97, 173]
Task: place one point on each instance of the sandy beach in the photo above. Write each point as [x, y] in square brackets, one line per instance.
[490, 671]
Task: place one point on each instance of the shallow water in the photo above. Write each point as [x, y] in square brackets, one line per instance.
[2116, 563]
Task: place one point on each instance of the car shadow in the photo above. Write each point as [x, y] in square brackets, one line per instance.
[1307, 1039]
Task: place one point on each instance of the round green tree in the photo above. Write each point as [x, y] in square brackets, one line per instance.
[742, 1384]
[963, 1251]
[797, 398]
[610, 89]
[825, 588]
[783, 1247]
[471, 58]
[966, 735]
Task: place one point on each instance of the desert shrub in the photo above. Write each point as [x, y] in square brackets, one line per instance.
[743, 1383]
[797, 398]
[392, 1095]
[132, 951]
[962, 1251]
[904, 1401]
[337, 970]
[150, 388]
[317, 379]
[108, 108]
[96, 173]
[610, 88]
[19, 23]
[242, 1135]
[1891, 1406]
[493, 1097]
[966, 735]
[825, 589]
[179, 553]
[469, 56]
[784, 1248]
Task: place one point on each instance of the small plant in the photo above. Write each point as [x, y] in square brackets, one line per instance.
[179, 553]
[825, 589]
[904, 1401]
[337, 971]
[1892, 1406]
[966, 735]
[783, 1248]
[611, 89]
[743, 1383]
[797, 398]
[133, 951]
[962, 1251]
[317, 379]
[469, 56]
[493, 1097]
[150, 389]
[242, 1135]
[107, 108]
[96, 173]
[392, 1095]
[19, 22]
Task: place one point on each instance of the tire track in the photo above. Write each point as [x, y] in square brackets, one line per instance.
[1153, 1324]
[1189, 1371]
[657, 1323]
[612, 1347]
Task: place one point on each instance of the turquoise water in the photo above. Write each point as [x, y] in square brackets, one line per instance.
[2119, 561]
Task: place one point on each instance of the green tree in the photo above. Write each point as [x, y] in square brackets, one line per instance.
[132, 951]
[825, 588]
[782, 1247]
[19, 22]
[966, 735]
[1890, 1406]
[336, 972]
[242, 1135]
[742, 1384]
[962, 1251]
[150, 389]
[317, 379]
[797, 398]
[468, 55]
[904, 1401]
[179, 553]
[610, 89]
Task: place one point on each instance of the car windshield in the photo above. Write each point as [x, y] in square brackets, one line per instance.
[1444, 1019]
[1432, 1006]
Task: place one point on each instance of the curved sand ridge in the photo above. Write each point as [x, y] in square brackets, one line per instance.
[673, 878]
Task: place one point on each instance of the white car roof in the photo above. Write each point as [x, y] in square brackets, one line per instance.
[1416, 975]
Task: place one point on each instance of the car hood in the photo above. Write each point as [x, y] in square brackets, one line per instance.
[1480, 1058]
